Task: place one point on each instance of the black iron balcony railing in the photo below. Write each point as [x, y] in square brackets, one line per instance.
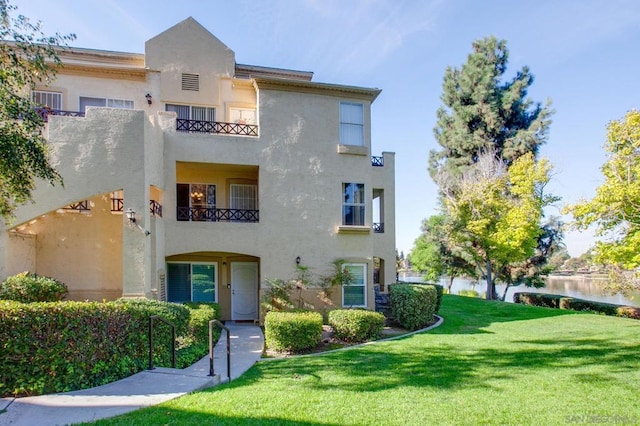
[80, 206]
[378, 228]
[117, 204]
[377, 161]
[156, 208]
[212, 214]
[44, 113]
[198, 126]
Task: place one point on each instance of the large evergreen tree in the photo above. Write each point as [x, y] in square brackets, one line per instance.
[491, 183]
[27, 57]
[481, 111]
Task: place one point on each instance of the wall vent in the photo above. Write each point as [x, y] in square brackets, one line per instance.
[191, 82]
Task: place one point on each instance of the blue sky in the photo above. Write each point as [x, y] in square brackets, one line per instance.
[584, 54]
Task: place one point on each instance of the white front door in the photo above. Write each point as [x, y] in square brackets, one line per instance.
[244, 291]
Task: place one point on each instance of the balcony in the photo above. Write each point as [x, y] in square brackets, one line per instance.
[155, 208]
[215, 127]
[212, 214]
[377, 161]
[44, 113]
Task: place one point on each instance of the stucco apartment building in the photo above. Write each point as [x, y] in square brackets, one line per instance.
[188, 176]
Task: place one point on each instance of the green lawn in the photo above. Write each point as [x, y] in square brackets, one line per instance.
[489, 363]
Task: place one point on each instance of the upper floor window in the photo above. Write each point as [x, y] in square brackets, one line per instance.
[46, 99]
[353, 206]
[86, 101]
[242, 115]
[351, 123]
[196, 202]
[188, 112]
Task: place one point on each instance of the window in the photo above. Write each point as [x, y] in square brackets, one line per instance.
[242, 116]
[51, 100]
[196, 202]
[351, 124]
[243, 197]
[191, 282]
[188, 112]
[353, 205]
[354, 294]
[86, 101]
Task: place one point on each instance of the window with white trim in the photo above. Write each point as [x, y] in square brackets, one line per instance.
[351, 123]
[355, 293]
[190, 112]
[192, 282]
[353, 207]
[242, 115]
[86, 101]
[46, 99]
[243, 196]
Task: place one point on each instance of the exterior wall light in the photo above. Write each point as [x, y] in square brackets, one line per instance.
[298, 260]
[149, 98]
[131, 217]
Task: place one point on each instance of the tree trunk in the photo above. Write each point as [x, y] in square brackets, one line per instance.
[451, 278]
[504, 295]
[491, 289]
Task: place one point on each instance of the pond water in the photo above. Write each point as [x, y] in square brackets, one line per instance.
[579, 286]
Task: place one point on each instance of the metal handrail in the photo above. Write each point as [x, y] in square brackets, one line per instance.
[222, 326]
[173, 340]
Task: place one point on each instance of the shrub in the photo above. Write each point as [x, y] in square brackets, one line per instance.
[195, 345]
[468, 293]
[571, 303]
[27, 288]
[538, 299]
[413, 306]
[439, 292]
[356, 325]
[292, 331]
[62, 346]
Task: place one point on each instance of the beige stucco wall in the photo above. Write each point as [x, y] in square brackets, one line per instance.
[296, 160]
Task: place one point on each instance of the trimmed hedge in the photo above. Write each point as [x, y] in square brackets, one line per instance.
[50, 347]
[26, 287]
[292, 331]
[356, 325]
[413, 305]
[562, 302]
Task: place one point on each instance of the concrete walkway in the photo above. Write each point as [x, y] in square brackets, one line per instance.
[140, 390]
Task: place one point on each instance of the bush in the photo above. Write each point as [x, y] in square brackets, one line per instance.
[196, 344]
[292, 331]
[439, 292]
[574, 304]
[468, 293]
[413, 306]
[538, 299]
[62, 346]
[356, 325]
[27, 288]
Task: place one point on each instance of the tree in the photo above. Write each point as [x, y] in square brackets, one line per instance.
[615, 209]
[495, 213]
[482, 112]
[433, 256]
[27, 57]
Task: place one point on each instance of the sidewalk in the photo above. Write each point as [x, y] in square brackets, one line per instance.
[146, 388]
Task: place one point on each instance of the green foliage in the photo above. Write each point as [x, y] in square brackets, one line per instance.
[62, 346]
[356, 325]
[292, 331]
[574, 304]
[277, 296]
[26, 58]
[26, 287]
[195, 344]
[468, 293]
[615, 208]
[412, 305]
